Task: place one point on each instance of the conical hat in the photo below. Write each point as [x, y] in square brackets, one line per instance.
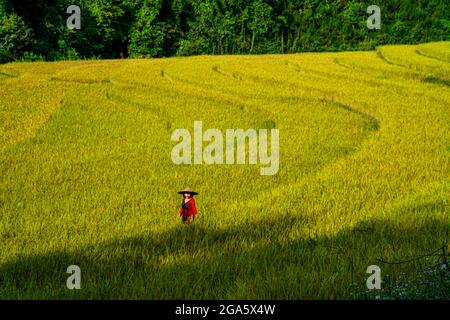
[187, 190]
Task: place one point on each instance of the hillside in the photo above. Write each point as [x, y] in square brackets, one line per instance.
[87, 176]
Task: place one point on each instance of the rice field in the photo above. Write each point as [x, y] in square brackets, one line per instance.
[364, 178]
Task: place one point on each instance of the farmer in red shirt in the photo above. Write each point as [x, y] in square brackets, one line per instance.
[188, 209]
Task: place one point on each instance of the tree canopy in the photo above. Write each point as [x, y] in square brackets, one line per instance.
[156, 28]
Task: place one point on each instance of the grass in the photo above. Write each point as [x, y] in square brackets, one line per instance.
[87, 178]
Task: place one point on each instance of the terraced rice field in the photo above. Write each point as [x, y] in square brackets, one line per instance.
[87, 177]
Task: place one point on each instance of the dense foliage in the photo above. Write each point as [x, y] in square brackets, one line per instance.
[187, 27]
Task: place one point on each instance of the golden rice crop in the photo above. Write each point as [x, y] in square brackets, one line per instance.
[87, 178]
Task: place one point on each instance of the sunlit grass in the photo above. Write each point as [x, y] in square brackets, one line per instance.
[87, 178]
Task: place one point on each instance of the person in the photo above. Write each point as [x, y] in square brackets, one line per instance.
[188, 210]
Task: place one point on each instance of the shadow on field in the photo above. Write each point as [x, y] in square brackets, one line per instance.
[198, 262]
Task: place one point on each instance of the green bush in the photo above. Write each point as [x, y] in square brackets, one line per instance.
[15, 38]
[31, 57]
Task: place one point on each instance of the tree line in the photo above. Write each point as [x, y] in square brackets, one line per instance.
[37, 30]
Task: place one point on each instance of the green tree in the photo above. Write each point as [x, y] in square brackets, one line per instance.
[186, 27]
[2, 8]
[259, 25]
[15, 37]
[147, 33]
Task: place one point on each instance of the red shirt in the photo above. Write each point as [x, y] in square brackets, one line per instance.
[191, 210]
